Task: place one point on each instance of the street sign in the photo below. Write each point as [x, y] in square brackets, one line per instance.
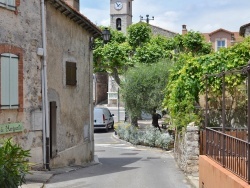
[11, 128]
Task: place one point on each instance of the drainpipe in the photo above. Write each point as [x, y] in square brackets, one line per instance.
[45, 94]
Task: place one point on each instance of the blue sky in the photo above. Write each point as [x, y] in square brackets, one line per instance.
[198, 15]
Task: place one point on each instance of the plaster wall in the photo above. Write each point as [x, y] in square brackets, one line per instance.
[67, 41]
[220, 35]
[212, 175]
[22, 29]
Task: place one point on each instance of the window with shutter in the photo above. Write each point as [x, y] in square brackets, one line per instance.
[9, 81]
[71, 73]
[10, 4]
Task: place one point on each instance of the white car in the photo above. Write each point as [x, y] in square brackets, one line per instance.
[103, 119]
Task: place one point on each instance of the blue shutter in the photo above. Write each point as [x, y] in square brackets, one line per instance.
[9, 81]
[5, 84]
[3, 2]
[14, 81]
[11, 2]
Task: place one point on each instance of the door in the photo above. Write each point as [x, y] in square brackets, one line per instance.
[53, 145]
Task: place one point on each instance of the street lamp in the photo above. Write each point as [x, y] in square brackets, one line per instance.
[147, 19]
[105, 37]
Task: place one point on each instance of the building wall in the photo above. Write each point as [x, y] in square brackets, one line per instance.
[212, 175]
[67, 41]
[247, 31]
[163, 32]
[220, 35]
[21, 34]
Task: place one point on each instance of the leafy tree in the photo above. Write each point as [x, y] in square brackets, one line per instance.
[186, 81]
[142, 88]
[117, 56]
[138, 34]
[112, 57]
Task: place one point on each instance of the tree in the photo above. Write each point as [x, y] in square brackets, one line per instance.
[117, 56]
[142, 88]
[113, 57]
[186, 81]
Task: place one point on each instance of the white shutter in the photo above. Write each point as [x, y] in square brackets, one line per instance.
[14, 81]
[5, 85]
[3, 1]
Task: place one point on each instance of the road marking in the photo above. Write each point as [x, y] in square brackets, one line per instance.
[117, 146]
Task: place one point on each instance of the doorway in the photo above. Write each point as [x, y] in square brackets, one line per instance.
[53, 145]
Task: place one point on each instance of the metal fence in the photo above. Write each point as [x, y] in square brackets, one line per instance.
[227, 121]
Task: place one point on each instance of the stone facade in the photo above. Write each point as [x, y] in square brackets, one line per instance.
[187, 150]
[125, 14]
[245, 30]
[159, 31]
[21, 36]
[71, 138]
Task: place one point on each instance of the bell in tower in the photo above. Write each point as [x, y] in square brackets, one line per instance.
[120, 14]
[119, 24]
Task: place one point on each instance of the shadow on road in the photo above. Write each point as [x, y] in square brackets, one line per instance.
[107, 166]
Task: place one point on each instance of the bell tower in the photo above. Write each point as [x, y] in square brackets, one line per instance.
[120, 14]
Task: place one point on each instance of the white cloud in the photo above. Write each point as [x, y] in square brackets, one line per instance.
[203, 16]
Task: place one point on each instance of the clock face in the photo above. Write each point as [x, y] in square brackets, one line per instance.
[118, 5]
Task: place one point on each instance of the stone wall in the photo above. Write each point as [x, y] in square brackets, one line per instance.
[186, 150]
[159, 31]
[247, 31]
[21, 35]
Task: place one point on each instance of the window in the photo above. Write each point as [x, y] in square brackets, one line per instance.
[10, 4]
[9, 81]
[119, 24]
[71, 73]
[220, 43]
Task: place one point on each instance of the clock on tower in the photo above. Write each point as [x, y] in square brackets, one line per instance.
[120, 14]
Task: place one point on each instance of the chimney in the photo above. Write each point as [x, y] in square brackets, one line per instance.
[184, 29]
[73, 3]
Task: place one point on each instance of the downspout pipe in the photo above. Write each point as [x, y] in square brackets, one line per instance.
[46, 134]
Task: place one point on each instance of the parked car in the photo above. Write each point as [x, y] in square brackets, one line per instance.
[103, 119]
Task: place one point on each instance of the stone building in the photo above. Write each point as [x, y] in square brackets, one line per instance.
[160, 31]
[46, 80]
[120, 14]
[245, 30]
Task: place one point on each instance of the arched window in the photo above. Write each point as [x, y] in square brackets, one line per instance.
[119, 24]
[9, 81]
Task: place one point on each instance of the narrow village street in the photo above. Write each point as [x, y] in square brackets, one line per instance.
[123, 165]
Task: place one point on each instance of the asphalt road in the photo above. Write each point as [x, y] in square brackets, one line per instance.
[121, 165]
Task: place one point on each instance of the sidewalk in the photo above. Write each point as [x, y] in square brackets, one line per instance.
[37, 179]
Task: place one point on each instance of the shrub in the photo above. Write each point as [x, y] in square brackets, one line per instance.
[150, 137]
[164, 141]
[13, 165]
